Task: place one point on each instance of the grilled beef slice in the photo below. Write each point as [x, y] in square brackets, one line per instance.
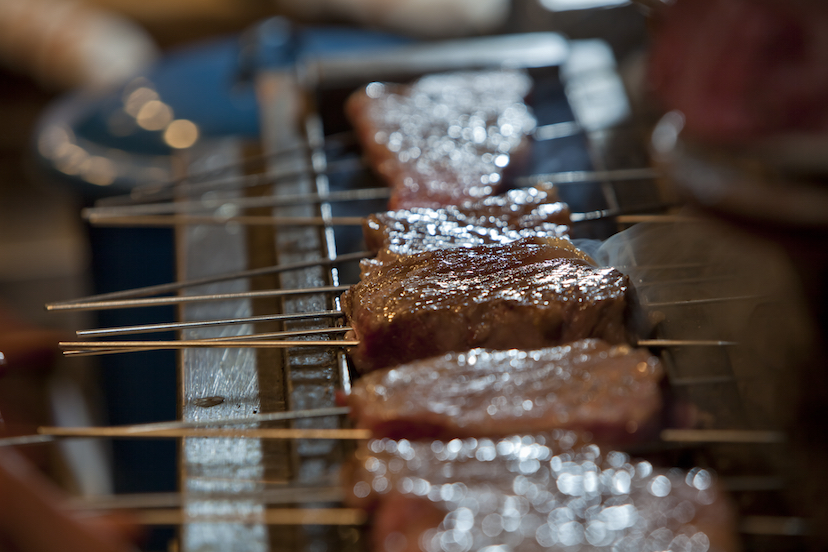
[517, 214]
[446, 138]
[589, 386]
[518, 295]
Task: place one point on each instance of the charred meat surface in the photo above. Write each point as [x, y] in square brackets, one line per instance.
[446, 138]
[608, 391]
[534, 493]
[517, 214]
[517, 295]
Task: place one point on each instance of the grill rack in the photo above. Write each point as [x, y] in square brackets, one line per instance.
[301, 379]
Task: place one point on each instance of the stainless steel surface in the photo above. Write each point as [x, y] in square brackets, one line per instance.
[219, 465]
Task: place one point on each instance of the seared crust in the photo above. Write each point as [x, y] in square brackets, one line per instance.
[518, 295]
[517, 214]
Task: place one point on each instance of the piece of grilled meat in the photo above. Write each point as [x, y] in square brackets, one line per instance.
[516, 295]
[446, 138]
[529, 494]
[517, 214]
[610, 392]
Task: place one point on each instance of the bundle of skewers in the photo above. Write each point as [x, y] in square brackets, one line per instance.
[501, 374]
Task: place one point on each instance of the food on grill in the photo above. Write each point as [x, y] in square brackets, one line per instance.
[446, 138]
[516, 295]
[517, 214]
[533, 493]
[609, 391]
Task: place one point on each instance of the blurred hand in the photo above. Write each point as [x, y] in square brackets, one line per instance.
[33, 519]
[28, 354]
[33, 513]
[25, 347]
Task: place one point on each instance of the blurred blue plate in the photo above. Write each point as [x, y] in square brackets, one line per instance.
[107, 142]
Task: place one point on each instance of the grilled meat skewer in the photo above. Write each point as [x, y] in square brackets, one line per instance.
[610, 392]
[517, 295]
[517, 214]
[446, 138]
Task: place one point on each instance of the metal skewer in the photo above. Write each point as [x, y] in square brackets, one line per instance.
[155, 301]
[618, 216]
[196, 183]
[287, 333]
[348, 195]
[209, 205]
[163, 327]
[676, 266]
[120, 219]
[291, 494]
[268, 335]
[690, 302]
[684, 343]
[173, 425]
[77, 348]
[153, 190]
[130, 346]
[722, 436]
[285, 494]
[271, 516]
[683, 281]
[166, 192]
[668, 435]
[255, 433]
[117, 219]
[175, 286]
[193, 184]
[172, 220]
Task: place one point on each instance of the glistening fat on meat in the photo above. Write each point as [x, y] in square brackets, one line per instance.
[528, 494]
[517, 214]
[610, 392]
[446, 138]
[518, 295]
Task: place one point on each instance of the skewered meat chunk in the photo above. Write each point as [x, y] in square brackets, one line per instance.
[446, 138]
[517, 214]
[528, 494]
[516, 295]
[609, 391]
